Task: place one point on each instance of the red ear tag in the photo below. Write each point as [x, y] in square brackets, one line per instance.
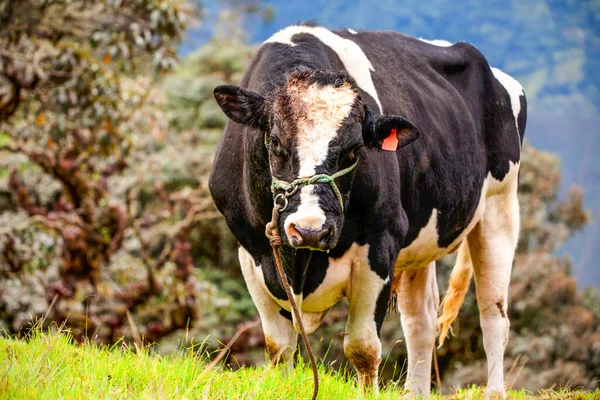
[390, 143]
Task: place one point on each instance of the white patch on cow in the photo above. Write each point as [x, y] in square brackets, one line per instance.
[324, 109]
[321, 113]
[309, 214]
[352, 31]
[515, 91]
[437, 42]
[334, 285]
[354, 59]
[337, 284]
[277, 328]
[509, 182]
[423, 249]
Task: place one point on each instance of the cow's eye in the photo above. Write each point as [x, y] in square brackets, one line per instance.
[352, 152]
[274, 141]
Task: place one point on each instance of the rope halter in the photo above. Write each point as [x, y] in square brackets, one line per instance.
[290, 188]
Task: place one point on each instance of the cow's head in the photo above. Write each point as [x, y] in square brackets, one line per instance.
[315, 124]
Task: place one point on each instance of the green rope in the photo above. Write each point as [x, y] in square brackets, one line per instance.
[289, 187]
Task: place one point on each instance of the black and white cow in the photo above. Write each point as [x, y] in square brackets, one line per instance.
[315, 101]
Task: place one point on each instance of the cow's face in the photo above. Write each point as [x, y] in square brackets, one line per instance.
[315, 124]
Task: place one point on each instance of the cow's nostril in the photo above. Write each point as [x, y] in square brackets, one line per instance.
[295, 236]
[296, 240]
[327, 233]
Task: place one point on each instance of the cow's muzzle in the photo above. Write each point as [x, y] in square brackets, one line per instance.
[312, 239]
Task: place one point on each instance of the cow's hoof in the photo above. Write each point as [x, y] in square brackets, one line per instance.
[495, 393]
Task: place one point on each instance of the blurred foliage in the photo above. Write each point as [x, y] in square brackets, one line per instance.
[190, 104]
[68, 55]
[97, 226]
[250, 8]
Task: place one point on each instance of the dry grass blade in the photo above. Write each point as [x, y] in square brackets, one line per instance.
[41, 323]
[438, 381]
[227, 347]
[135, 333]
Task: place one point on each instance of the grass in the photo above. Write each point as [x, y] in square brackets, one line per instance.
[50, 366]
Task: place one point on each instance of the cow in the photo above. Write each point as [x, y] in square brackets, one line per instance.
[420, 141]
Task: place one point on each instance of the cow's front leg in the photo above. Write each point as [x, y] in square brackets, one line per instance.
[418, 302]
[280, 336]
[368, 295]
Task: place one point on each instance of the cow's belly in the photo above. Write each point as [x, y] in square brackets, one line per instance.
[425, 249]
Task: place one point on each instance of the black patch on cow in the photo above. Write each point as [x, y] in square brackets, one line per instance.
[285, 314]
[501, 308]
[381, 307]
[522, 119]
[315, 273]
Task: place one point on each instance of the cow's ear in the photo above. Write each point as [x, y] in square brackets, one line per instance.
[242, 106]
[388, 132]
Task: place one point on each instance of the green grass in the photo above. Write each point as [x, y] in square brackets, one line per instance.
[50, 366]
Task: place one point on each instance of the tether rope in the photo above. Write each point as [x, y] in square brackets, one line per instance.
[276, 242]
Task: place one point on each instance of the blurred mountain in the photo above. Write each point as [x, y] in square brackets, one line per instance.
[552, 47]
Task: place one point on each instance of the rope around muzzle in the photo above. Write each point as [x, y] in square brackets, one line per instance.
[291, 187]
[276, 242]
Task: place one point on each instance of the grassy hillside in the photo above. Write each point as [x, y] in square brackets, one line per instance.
[50, 366]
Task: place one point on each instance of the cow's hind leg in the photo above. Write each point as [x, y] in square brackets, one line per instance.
[418, 302]
[280, 336]
[492, 244]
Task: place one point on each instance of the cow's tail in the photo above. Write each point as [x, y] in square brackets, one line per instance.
[457, 290]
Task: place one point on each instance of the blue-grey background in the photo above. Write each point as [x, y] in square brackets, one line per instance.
[551, 47]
